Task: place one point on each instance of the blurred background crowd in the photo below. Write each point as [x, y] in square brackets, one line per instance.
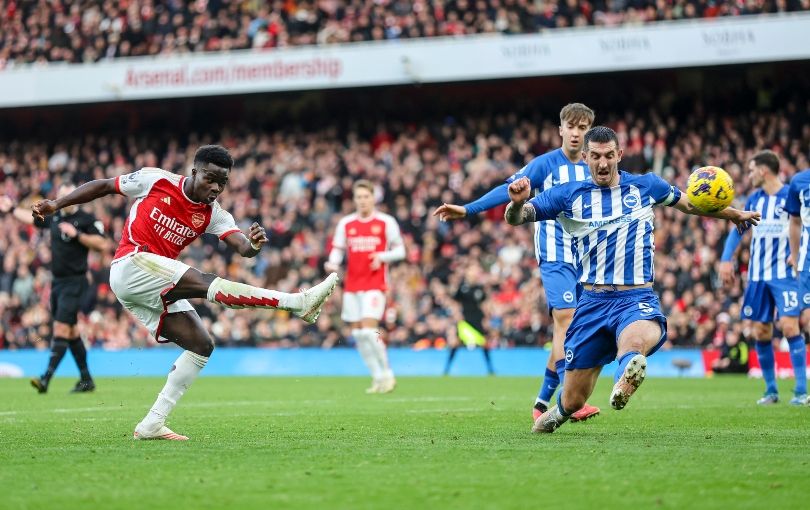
[297, 183]
[95, 30]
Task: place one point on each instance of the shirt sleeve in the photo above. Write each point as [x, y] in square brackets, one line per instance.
[549, 204]
[730, 246]
[536, 170]
[793, 204]
[222, 223]
[339, 239]
[138, 184]
[393, 234]
[493, 198]
[662, 192]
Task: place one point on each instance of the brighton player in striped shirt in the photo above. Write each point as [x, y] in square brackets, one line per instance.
[618, 316]
[552, 244]
[772, 284]
[798, 206]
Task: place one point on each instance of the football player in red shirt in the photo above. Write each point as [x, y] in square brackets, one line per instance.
[169, 212]
[370, 240]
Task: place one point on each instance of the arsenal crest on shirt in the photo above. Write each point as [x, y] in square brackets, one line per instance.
[197, 219]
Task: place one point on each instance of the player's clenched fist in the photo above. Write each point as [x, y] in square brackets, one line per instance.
[43, 208]
[520, 190]
[257, 235]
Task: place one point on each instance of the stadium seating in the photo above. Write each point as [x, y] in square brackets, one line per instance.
[90, 31]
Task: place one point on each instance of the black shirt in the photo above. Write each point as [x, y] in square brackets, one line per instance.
[69, 256]
[470, 297]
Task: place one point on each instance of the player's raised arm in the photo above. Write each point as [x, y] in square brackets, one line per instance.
[87, 192]
[742, 219]
[545, 206]
[518, 211]
[495, 197]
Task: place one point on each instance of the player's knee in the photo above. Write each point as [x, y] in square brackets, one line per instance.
[562, 317]
[789, 326]
[203, 346]
[761, 331]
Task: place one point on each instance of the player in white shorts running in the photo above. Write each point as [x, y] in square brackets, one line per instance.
[370, 240]
[171, 211]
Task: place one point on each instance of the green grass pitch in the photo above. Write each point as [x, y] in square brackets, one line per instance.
[434, 443]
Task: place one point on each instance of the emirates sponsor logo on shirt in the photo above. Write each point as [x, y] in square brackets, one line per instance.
[172, 230]
[364, 243]
[197, 219]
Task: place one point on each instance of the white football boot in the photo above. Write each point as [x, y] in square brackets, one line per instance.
[628, 383]
[315, 297]
[163, 432]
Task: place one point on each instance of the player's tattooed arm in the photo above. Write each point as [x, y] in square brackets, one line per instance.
[517, 214]
[518, 211]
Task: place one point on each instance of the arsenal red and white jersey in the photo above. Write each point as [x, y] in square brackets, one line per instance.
[163, 220]
[360, 238]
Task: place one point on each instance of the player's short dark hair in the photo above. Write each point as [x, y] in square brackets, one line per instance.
[575, 112]
[767, 158]
[600, 134]
[215, 154]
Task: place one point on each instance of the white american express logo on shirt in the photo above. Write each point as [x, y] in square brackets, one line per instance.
[603, 223]
[770, 228]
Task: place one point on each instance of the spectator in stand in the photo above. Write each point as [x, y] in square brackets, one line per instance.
[94, 30]
[733, 356]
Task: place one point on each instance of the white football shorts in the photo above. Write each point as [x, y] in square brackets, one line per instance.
[368, 304]
[140, 281]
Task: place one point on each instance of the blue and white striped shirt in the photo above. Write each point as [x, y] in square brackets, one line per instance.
[551, 242]
[611, 227]
[769, 239]
[798, 204]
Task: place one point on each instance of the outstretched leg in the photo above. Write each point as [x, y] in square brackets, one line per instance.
[579, 384]
[306, 305]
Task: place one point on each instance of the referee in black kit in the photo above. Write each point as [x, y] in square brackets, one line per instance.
[73, 233]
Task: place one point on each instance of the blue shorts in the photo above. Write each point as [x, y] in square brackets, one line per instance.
[804, 289]
[561, 285]
[762, 298]
[592, 339]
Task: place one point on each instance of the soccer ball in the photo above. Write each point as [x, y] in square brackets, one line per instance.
[710, 189]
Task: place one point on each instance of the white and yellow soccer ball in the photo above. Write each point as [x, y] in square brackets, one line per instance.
[710, 189]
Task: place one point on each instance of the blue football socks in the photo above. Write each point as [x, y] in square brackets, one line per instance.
[549, 386]
[560, 407]
[559, 366]
[798, 358]
[623, 361]
[768, 364]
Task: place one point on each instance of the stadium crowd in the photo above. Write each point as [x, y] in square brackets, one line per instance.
[298, 185]
[94, 30]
